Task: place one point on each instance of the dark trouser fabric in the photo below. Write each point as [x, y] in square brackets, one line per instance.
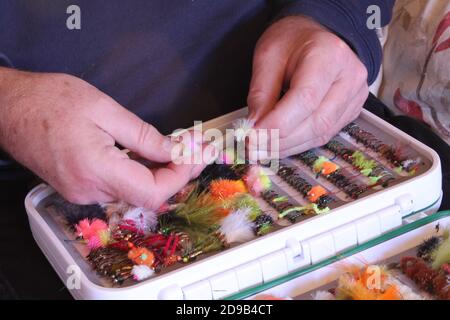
[25, 272]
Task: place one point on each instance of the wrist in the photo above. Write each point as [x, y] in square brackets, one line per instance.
[9, 93]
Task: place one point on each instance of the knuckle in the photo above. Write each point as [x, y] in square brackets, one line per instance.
[278, 122]
[78, 185]
[151, 202]
[325, 45]
[335, 46]
[323, 125]
[265, 50]
[195, 174]
[307, 98]
[322, 140]
[283, 132]
[360, 72]
[146, 133]
[255, 96]
[313, 50]
[340, 48]
[76, 197]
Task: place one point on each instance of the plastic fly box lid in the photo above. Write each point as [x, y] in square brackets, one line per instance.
[365, 183]
[393, 252]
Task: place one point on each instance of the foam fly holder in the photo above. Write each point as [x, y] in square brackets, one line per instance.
[254, 266]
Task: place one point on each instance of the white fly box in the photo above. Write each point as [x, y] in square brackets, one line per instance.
[387, 251]
[297, 241]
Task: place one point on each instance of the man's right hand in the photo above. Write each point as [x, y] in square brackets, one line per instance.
[65, 131]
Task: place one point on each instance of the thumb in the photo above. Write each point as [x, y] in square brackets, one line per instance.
[133, 133]
[266, 83]
[133, 183]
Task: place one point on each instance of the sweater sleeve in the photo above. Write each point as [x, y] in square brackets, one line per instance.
[347, 19]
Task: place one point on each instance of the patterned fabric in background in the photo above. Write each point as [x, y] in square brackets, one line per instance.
[416, 67]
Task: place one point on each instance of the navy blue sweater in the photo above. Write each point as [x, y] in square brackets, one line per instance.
[169, 61]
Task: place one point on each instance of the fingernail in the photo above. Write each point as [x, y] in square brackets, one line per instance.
[252, 116]
[169, 144]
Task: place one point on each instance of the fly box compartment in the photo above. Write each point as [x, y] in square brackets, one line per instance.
[402, 261]
[369, 180]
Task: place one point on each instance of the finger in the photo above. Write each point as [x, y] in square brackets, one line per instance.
[188, 144]
[132, 132]
[310, 83]
[101, 197]
[261, 142]
[324, 120]
[266, 83]
[135, 184]
[81, 197]
[350, 113]
[306, 130]
[354, 108]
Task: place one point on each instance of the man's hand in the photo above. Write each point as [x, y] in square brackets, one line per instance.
[65, 131]
[326, 84]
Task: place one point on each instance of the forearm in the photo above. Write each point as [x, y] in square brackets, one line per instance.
[17, 109]
[8, 89]
[4, 73]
